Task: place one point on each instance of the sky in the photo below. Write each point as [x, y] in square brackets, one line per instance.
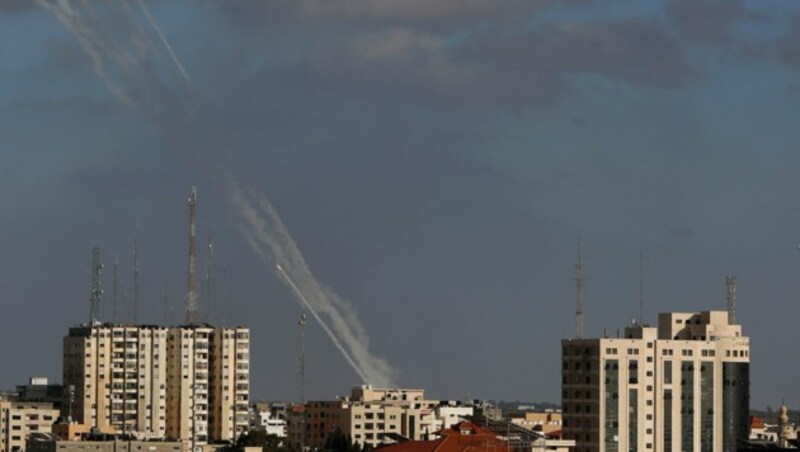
[434, 161]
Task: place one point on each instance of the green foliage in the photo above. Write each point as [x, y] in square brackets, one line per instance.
[339, 442]
[259, 438]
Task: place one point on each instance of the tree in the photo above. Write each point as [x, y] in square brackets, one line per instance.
[260, 438]
[339, 442]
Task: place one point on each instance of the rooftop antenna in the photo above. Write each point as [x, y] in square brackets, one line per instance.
[116, 288]
[97, 292]
[579, 292]
[166, 304]
[641, 289]
[209, 273]
[191, 295]
[225, 297]
[730, 285]
[136, 275]
[302, 371]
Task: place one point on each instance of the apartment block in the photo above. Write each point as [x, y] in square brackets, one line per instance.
[370, 416]
[681, 386]
[117, 377]
[187, 383]
[18, 419]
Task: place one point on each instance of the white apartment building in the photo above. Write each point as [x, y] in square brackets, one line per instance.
[683, 386]
[188, 383]
[19, 419]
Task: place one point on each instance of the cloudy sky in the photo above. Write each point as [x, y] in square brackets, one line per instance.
[435, 162]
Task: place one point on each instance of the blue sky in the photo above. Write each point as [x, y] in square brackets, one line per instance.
[435, 162]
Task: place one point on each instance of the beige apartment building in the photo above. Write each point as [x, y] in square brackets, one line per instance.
[119, 375]
[186, 383]
[683, 386]
[368, 415]
[19, 419]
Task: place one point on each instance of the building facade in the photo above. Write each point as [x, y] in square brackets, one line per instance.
[18, 419]
[683, 386]
[372, 416]
[188, 383]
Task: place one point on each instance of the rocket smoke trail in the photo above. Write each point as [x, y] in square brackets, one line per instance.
[324, 326]
[122, 57]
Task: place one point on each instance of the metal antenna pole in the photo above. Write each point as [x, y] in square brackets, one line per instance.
[641, 289]
[730, 285]
[209, 274]
[116, 288]
[136, 276]
[97, 292]
[579, 292]
[191, 295]
[302, 370]
[166, 304]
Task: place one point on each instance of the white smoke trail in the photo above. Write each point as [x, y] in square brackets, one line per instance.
[164, 41]
[90, 43]
[175, 114]
[328, 331]
[266, 228]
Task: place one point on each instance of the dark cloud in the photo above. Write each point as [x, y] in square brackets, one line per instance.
[680, 233]
[787, 47]
[367, 13]
[497, 66]
[708, 21]
[16, 6]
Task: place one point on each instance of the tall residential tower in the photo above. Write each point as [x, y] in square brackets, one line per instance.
[188, 383]
[683, 386]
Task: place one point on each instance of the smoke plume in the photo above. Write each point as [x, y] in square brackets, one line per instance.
[127, 61]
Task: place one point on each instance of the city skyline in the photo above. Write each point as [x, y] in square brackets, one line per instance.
[435, 165]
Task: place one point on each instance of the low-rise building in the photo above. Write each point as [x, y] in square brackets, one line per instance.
[48, 443]
[546, 421]
[370, 416]
[19, 419]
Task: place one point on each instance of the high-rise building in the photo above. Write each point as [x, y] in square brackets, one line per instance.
[188, 383]
[683, 386]
[118, 377]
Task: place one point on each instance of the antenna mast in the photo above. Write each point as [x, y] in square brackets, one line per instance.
[136, 275]
[579, 292]
[641, 289]
[302, 370]
[730, 285]
[166, 304]
[191, 295]
[97, 292]
[209, 273]
[116, 287]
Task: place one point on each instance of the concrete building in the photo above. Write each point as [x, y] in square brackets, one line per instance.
[19, 419]
[546, 421]
[39, 389]
[46, 443]
[188, 383]
[370, 416]
[683, 386]
[118, 377]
